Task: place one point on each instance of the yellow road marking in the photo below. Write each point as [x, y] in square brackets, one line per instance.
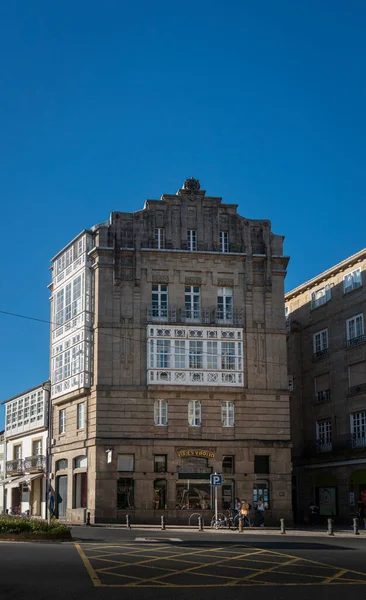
[258, 573]
[92, 574]
[336, 576]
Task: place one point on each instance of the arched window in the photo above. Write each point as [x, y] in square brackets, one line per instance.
[80, 462]
[61, 464]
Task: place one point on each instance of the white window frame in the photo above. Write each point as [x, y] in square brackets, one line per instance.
[62, 421]
[196, 354]
[195, 413]
[180, 355]
[320, 296]
[224, 241]
[37, 447]
[192, 302]
[323, 344]
[324, 435]
[161, 413]
[225, 304]
[358, 429]
[160, 238]
[228, 413]
[80, 415]
[160, 305]
[352, 281]
[192, 240]
[355, 329]
[163, 354]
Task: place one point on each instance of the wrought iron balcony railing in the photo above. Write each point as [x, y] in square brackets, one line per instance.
[339, 444]
[208, 316]
[322, 397]
[321, 353]
[15, 467]
[354, 390]
[35, 463]
[355, 340]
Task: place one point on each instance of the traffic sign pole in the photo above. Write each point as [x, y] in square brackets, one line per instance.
[216, 501]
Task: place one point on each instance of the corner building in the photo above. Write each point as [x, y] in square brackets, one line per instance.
[169, 363]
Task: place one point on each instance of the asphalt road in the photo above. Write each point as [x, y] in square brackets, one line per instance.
[114, 563]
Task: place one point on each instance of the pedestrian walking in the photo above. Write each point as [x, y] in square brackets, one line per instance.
[237, 507]
[260, 509]
[361, 514]
[244, 513]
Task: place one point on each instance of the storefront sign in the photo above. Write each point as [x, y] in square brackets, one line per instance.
[197, 452]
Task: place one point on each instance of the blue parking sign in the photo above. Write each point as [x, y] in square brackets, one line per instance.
[215, 479]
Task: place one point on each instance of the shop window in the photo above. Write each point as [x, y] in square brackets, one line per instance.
[80, 462]
[126, 462]
[261, 464]
[160, 494]
[125, 493]
[80, 490]
[227, 495]
[192, 495]
[160, 463]
[61, 464]
[228, 465]
[261, 491]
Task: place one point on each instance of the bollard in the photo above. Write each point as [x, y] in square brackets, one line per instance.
[241, 529]
[88, 518]
[163, 522]
[200, 524]
[128, 522]
[283, 529]
[330, 527]
[355, 527]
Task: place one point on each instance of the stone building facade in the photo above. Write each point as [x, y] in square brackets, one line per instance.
[327, 375]
[169, 363]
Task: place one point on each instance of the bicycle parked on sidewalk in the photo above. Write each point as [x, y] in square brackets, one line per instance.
[225, 520]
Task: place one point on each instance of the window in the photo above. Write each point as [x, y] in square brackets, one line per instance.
[194, 413]
[227, 498]
[126, 462]
[358, 429]
[160, 301]
[324, 436]
[261, 463]
[322, 388]
[160, 494]
[80, 490]
[179, 354]
[195, 355]
[17, 452]
[124, 493]
[192, 240]
[68, 301]
[80, 421]
[357, 375]
[228, 465]
[212, 355]
[163, 354]
[196, 497]
[228, 355]
[261, 491]
[61, 464]
[160, 463]
[225, 304]
[320, 343]
[192, 302]
[62, 421]
[159, 238]
[161, 412]
[227, 414]
[355, 330]
[351, 281]
[224, 241]
[80, 462]
[36, 447]
[320, 296]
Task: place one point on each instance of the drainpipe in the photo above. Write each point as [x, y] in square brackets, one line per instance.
[47, 388]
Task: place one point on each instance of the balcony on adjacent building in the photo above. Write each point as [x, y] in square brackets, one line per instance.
[322, 397]
[35, 464]
[208, 316]
[338, 445]
[354, 390]
[320, 353]
[15, 467]
[355, 341]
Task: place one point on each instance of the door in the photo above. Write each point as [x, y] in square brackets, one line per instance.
[36, 497]
[61, 496]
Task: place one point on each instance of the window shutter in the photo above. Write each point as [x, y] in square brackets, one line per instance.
[191, 412]
[223, 414]
[231, 414]
[198, 413]
[164, 412]
[156, 412]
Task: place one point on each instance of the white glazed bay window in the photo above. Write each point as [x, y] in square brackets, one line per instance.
[189, 355]
[26, 412]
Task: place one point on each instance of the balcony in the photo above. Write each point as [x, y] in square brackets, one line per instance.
[338, 445]
[208, 316]
[322, 397]
[320, 354]
[15, 467]
[355, 341]
[35, 464]
[224, 378]
[354, 390]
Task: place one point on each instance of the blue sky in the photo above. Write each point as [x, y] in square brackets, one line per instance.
[106, 104]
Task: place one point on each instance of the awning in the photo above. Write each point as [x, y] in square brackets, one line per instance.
[24, 479]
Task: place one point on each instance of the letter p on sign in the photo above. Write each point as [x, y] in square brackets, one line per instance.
[216, 480]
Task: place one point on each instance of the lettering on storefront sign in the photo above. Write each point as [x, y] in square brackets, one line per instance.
[199, 452]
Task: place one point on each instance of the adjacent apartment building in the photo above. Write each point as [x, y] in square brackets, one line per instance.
[26, 434]
[168, 363]
[327, 376]
[2, 470]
